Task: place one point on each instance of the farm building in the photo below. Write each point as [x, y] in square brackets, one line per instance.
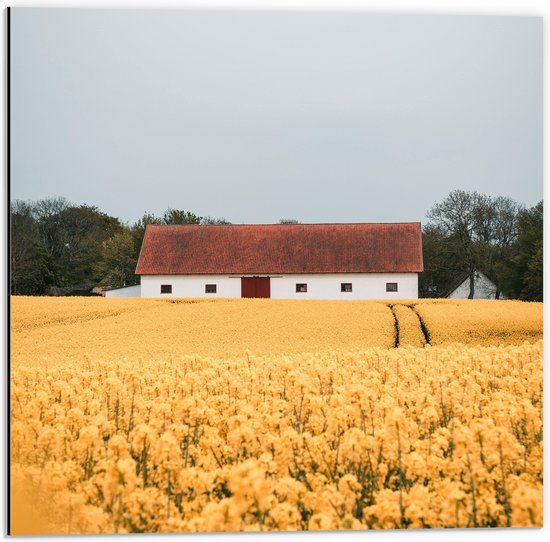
[123, 291]
[484, 287]
[306, 261]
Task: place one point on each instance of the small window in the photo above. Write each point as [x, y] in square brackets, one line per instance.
[210, 288]
[301, 287]
[165, 288]
[391, 286]
[345, 287]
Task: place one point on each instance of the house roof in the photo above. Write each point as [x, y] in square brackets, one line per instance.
[281, 248]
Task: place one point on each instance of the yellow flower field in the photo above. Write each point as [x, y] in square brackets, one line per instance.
[225, 415]
[107, 329]
[481, 322]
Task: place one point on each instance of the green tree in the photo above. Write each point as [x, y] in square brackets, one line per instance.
[118, 263]
[176, 216]
[24, 254]
[56, 243]
[505, 231]
[47, 213]
[523, 270]
[439, 269]
[170, 217]
[82, 231]
[138, 230]
[34, 244]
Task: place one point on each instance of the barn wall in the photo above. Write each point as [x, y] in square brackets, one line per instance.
[128, 291]
[364, 286]
[190, 285]
[319, 286]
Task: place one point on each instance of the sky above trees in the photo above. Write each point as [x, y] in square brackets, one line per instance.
[322, 117]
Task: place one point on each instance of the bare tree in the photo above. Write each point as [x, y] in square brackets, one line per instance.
[473, 231]
[211, 221]
[47, 213]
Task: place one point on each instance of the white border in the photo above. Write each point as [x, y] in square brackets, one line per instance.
[466, 7]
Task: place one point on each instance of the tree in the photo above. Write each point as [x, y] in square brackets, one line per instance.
[57, 244]
[34, 245]
[523, 269]
[47, 213]
[138, 230]
[439, 272]
[505, 222]
[118, 263]
[467, 232]
[211, 221]
[460, 219]
[533, 278]
[288, 221]
[176, 216]
[170, 217]
[24, 256]
[81, 233]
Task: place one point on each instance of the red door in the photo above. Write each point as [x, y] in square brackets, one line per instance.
[255, 287]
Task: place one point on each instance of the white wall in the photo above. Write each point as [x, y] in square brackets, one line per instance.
[319, 286]
[190, 285]
[483, 289]
[364, 286]
[127, 291]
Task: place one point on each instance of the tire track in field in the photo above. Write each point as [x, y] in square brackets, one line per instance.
[396, 324]
[410, 328]
[423, 325]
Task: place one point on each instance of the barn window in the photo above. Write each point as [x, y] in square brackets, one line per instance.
[165, 288]
[391, 286]
[301, 287]
[345, 287]
[210, 288]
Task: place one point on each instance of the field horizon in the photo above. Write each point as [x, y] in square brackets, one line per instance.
[226, 326]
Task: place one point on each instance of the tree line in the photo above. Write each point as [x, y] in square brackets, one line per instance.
[469, 232]
[59, 247]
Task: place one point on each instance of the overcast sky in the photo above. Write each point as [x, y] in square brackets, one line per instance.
[322, 117]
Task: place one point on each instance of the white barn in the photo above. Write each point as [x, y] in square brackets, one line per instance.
[123, 291]
[300, 261]
[484, 287]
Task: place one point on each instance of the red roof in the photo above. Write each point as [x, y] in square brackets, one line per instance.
[281, 249]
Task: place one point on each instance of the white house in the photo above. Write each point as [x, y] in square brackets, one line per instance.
[123, 291]
[484, 287]
[300, 261]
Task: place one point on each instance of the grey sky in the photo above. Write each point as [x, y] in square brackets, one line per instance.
[323, 117]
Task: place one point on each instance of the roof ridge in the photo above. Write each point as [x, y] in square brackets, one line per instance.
[288, 225]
